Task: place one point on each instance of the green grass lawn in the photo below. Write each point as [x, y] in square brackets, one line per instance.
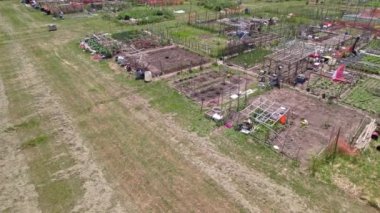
[127, 36]
[362, 170]
[196, 39]
[146, 15]
[217, 5]
[251, 58]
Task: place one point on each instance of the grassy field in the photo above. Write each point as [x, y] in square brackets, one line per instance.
[357, 175]
[188, 33]
[198, 40]
[251, 58]
[151, 170]
[108, 143]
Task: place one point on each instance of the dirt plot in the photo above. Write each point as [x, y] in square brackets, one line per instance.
[162, 61]
[212, 87]
[324, 120]
[172, 59]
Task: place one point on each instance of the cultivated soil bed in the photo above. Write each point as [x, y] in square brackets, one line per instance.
[167, 60]
[324, 86]
[303, 142]
[212, 87]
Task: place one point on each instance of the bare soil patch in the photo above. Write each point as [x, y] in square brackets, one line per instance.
[212, 87]
[167, 60]
[323, 121]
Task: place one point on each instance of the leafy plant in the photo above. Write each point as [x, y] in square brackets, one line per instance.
[94, 44]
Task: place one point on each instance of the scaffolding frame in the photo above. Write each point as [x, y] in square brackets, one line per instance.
[292, 59]
[265, 112]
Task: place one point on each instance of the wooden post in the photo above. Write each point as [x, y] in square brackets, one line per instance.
[202, 101]
[245, 86]
[221, 95]
[336, 145]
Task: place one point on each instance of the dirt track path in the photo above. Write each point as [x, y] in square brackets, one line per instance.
[17, 193]
[98, 194]
[248, 187]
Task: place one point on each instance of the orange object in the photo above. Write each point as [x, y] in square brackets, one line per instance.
[342, 147]
[283, 120]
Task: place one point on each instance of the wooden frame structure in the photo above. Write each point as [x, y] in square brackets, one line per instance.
[265, 112]
[287, 63]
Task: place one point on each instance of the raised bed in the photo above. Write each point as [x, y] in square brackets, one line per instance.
[325, 87]
[101, 44]
[163, 61]
[212, 88]
[137, 40]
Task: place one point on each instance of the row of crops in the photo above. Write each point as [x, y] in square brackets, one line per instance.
[366, 96]
[365, 67]
[326, 87]
[369, 63]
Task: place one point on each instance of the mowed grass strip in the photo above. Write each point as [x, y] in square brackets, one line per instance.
[148, 172]
[32, 129]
